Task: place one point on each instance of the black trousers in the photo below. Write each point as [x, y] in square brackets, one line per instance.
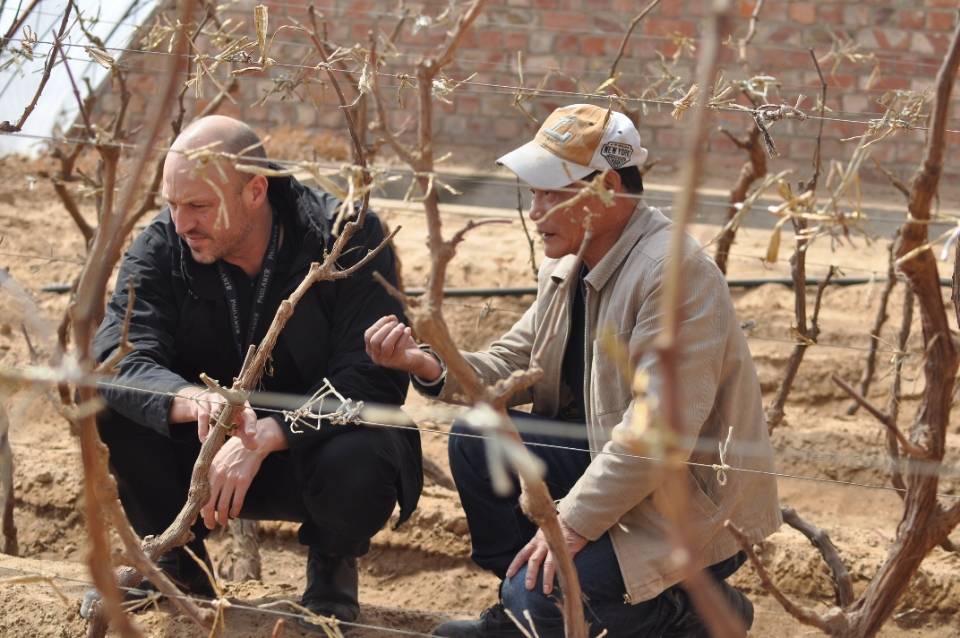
[499, 529]
[342, 489]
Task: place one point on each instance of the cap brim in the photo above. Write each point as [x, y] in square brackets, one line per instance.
[540, 168]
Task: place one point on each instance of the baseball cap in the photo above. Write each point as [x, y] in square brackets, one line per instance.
[573, 142]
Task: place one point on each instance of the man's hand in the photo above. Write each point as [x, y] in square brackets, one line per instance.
[202, 406]
[537, 552]
[233, 469]
[390, 344]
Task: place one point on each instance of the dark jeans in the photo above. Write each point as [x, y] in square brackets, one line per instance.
[342, 490]
[499, 529]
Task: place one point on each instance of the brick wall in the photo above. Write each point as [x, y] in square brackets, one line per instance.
[575, 42]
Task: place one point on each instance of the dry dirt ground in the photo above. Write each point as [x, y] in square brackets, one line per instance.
[421, 573]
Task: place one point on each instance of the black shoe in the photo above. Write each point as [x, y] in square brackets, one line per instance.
[178, 566]
[184, 571]
[689, 625]
[332, 585]
[493, 622]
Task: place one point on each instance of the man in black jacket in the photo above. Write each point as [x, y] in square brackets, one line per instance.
[209, 274]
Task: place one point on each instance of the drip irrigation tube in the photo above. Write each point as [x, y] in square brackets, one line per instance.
[733, 283]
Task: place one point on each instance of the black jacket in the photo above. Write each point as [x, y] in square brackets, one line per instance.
[181, 325]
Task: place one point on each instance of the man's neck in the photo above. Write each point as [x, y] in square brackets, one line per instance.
[602, 241]
[250, 255]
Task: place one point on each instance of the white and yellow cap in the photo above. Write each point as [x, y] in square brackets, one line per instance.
[573, 142]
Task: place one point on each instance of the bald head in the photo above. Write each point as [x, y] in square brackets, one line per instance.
[229, 135]
[221, 213]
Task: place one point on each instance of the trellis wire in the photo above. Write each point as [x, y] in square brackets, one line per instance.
[880, 55]
[506, 89]
[234, 605]
[536, 424]
[509, 67]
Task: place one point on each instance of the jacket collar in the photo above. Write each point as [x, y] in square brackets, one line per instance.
[599, 275]
[632, 233]
[301, 209]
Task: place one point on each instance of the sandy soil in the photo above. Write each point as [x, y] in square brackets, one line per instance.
[421, 573]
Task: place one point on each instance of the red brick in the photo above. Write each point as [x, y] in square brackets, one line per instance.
[895, 39]
[489, 39]
[565, 20]
[830, 14]
[891, 82]
[663, 27]
[912, 18]
[784, 34]
[563, 84]
[356, 10]
[509, 126]
[803, 12]
[467, 104]
[884, 16]
[940, 20]
[939, 43]
[629, 7]
[669, 139]
[841, 81]
[594, 45]
[609, 24]
[746, 7]
[567, 43]
[514, 41]
[596, 7]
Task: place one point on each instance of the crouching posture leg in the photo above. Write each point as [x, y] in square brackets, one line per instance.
[500, 533]
[342, 489]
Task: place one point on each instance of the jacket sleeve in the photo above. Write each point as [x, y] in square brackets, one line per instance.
[360, 301]
[613, 485]
[509, 353]
[152, 328]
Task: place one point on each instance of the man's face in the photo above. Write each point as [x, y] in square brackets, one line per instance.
[194, 195]
[563, 231]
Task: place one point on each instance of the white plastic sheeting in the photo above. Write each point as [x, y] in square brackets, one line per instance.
[115, 22]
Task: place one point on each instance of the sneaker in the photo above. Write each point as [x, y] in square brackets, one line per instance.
[493, 622]
[332, 586]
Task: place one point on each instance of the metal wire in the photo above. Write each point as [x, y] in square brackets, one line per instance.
[506, 89]
[880, 55]
[509, 67]
[540, 425]
[207, 602]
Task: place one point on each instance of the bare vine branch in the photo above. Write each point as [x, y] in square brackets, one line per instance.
[719, 619]
[626, 37]
[7, 127]
[821, 540]
[751, 31]
[870, 366]
[805, 616]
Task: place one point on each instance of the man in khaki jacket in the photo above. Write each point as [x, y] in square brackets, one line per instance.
[611, 502]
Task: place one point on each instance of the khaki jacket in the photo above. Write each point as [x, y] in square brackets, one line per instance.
[720, 394]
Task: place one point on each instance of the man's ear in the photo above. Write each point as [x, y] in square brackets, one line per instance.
[612, 181]
[255, 191]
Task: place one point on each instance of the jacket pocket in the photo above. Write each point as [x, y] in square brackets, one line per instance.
[699, 495]
[611, 381]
